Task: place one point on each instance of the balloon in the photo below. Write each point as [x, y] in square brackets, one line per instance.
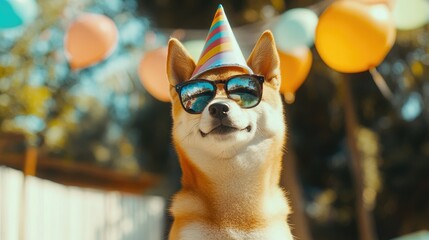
[374, 1]
[90, 39]
[388, 3]
[295, 28]
[14, 13]
[412, 107]
[153, 75]
[294, 68]
[354, 37]
[194, 47]
[410, 14]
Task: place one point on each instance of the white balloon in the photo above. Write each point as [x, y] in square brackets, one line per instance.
[410, 14]
[295, 28]
[194, 47]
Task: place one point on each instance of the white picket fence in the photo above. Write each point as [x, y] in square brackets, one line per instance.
[36, 209]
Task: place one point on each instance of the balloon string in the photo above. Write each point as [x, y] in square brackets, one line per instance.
[381, 83]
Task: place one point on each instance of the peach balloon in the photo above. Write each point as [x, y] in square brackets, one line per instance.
[153, 75]
[90, 39]
[353, 37]
[294, 68]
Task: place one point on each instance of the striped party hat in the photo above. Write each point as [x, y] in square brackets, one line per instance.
[221, 48]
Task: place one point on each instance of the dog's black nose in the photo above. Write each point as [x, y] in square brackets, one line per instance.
[219, 110]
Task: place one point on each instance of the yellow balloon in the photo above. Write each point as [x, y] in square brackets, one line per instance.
[353, 37]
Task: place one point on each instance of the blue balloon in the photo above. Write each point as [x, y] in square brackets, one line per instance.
[295, 28]
[14, 13]
[412, 107]
[8, 16]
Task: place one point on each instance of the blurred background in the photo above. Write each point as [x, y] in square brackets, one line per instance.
[85, 117]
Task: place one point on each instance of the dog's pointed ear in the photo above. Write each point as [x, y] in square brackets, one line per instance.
[180, 64]
[264, 59]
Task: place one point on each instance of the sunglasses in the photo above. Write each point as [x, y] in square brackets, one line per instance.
[195, 95]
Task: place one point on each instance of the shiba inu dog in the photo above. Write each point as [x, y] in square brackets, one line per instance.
[229, 133]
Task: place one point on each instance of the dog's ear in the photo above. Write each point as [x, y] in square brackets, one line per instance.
[180, 64]
[264, 59]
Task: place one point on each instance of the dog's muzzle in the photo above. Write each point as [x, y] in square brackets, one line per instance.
[221, 123]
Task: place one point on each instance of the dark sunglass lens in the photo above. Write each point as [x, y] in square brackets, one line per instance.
[196, 96]
[245, 90]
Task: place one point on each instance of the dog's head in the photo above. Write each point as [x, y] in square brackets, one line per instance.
[224, 128]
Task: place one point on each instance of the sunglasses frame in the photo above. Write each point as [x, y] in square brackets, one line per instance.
[259, 78]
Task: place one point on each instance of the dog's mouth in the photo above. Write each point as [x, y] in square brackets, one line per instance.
[224, 129]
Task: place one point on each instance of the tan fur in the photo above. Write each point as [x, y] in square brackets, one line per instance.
[233, 194]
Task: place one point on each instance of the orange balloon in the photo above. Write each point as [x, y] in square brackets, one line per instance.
[90, 39]
[294, 68]
[354, 37]
[153, 75]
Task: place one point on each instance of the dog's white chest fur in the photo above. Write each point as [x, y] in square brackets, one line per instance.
[273, 207]
[276, 231]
